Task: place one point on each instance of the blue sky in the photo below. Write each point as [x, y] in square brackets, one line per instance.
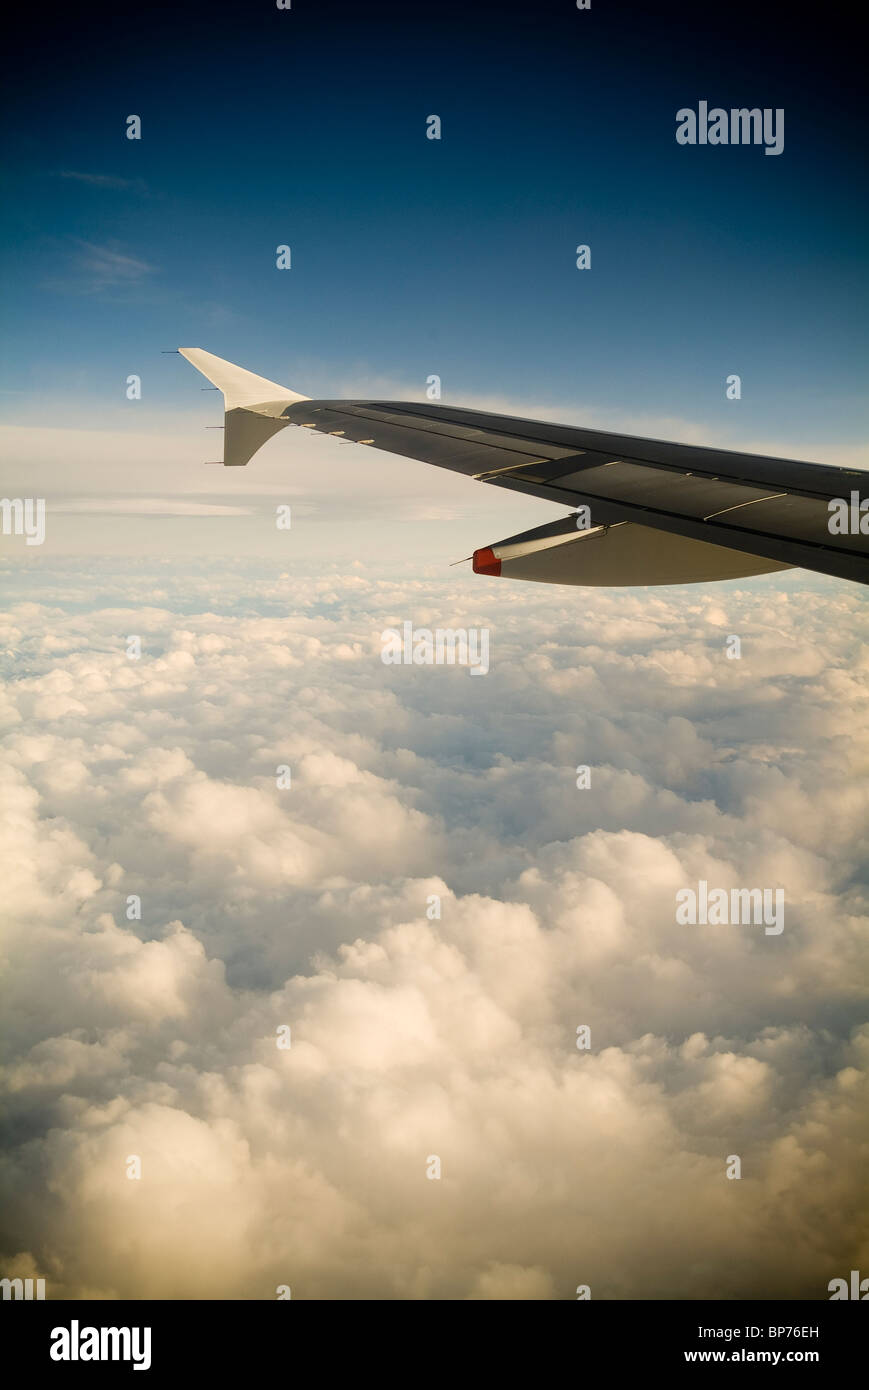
[413, 256]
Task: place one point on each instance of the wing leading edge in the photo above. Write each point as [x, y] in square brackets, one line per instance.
[650, 511]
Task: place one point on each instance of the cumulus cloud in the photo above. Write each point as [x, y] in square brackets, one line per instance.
[417, 1037]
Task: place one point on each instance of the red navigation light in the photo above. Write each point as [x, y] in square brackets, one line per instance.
[486, 561]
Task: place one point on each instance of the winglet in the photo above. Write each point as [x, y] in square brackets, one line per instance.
[253, 405]
[241, 389]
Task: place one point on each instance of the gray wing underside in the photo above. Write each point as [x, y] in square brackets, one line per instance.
[776, 510]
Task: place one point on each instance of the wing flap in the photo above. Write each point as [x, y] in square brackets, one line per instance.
[614, 555]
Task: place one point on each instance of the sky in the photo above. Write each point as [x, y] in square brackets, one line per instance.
[306, 906]
[413, 256]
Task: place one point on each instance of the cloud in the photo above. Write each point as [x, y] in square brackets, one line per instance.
[415, 1036]
[144, 506]
[94, 268]
[109, 265]
[108, 181]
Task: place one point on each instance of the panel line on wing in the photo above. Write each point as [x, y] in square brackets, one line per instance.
[752, 503]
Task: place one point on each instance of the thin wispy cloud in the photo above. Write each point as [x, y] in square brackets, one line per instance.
[111, 265]
[147, 506]
[94, 268]
[103, 181]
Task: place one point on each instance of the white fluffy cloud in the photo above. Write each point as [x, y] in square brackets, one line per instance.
[412, 1037]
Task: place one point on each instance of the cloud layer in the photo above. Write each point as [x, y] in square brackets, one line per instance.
[416, 1036]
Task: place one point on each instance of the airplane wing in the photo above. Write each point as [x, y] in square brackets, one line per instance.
[645, 511]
